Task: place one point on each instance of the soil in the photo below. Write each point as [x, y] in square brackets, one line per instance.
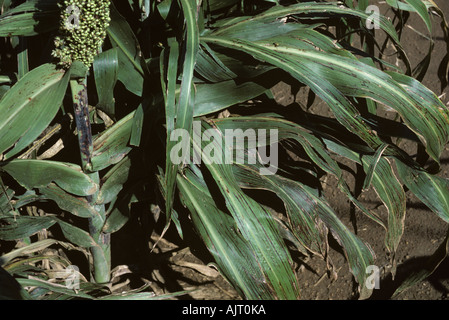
[185, 268]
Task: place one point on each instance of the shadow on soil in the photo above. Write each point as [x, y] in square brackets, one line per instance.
[438, 279]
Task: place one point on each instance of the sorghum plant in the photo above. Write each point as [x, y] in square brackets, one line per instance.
[141, 71]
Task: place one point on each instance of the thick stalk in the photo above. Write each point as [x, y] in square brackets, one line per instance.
[101, 253]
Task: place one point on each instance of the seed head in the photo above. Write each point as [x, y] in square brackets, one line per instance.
[82, 31]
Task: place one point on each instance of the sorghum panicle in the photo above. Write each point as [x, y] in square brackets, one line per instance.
[82, 31]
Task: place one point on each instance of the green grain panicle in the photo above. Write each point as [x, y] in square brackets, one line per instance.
[82, 31]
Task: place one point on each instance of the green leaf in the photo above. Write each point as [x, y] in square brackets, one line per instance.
[392, 194]
[54, 288]
[27, 250]
[210, 67]
[19, 227]
[112, 182]
[106, 68]
[76, 235]
[215, 5]
[372, 167]
[170, 111]
[130, 71]
[312, 145]
[232, 253]
[30, 18]
[254, 222]
[307, 214]
[78, 70]
[434, 114]
[22, 58]
[23, 226]
[248, 28]
[184, 112]
[418, 6]
[300, 209]
[112, 145]
[432, 190]
[120, 213]
[169, 74]
[75, 205]
[137, 127]
[383, 180]
[185, 103]
[318, 10]
[29, 107]
[24, 264]
[338, 103]
[40, 173]
[5, 200]
[214, 97]
[309, 218]
[333, 77]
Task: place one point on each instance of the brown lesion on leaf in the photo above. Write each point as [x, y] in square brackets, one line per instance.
[81, 110]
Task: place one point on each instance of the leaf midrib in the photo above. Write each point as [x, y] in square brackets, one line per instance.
[27, 100]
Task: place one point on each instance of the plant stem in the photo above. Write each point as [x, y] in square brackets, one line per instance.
[22, 57]
[101, 253]
[81, 109]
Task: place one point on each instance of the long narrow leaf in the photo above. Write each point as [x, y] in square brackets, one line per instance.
[254, 222]
[30, 18]
[324, 72]
[304, 8]
[22, 226]
[130, 71]
[106, 69]
[432, 190]
[32, 104]
[313, 147]
[231, 251]
[40, 173]
[184, 107]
